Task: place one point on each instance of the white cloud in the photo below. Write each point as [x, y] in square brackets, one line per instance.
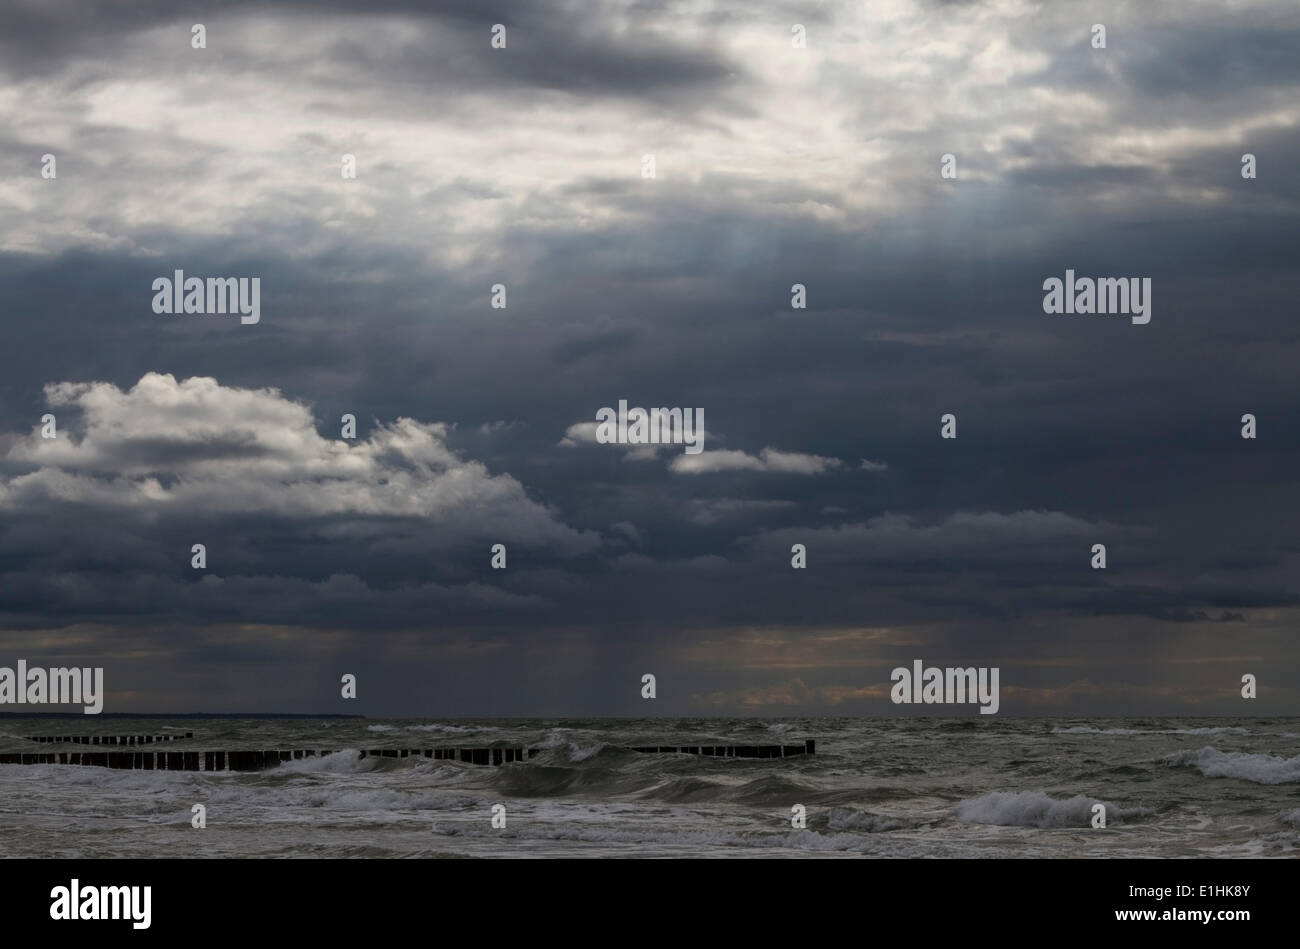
[198, 446]
[907, 72]
[584, 433]
[769, 459]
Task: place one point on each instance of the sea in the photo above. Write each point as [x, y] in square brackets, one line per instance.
[904, 787]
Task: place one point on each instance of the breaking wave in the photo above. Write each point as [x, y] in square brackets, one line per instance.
[1090, 730]
[1261, 769]
[1036, 809]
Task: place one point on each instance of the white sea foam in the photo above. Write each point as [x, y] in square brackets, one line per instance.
[1261, 769]
[341, 762]
[436, 728]
[583, 752]
[1036, 809]
[1090, 730]
[453, 729]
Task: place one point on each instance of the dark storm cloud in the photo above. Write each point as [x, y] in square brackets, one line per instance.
[443, 47]
[1216, 60]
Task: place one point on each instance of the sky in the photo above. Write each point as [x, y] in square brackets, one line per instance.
[774, 165]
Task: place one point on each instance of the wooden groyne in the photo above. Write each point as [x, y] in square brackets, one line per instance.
[262, 760]
[492, 756]
[107, 739]
[244, 760]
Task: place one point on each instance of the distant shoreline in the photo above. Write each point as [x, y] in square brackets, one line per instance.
[948, 719]
[80, 716]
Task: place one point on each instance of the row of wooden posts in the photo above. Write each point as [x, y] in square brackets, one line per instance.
[261, 760]
[108, 739]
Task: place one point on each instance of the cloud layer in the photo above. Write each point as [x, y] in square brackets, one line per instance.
[775, 166]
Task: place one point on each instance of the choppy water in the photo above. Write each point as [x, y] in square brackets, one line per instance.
[894, 788]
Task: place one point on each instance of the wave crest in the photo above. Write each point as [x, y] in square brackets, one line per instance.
[1261, 769]
[1036, 809]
